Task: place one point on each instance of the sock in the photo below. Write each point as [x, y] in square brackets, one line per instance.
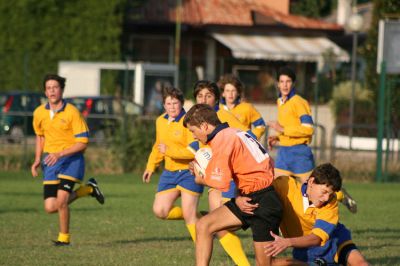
[192, 230]
[231, 244]
[175, 213]
[339, 195]
[83, 191]
[63, 237]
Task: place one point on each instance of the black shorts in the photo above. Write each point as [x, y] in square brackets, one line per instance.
[50, 191]
[266, 217]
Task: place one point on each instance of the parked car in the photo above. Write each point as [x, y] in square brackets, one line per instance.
[17, 113]
[102, 113]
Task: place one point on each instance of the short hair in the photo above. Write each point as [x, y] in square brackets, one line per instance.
[173, 93]
[201, 113]
[287, 71]
[59, 79]
[327, 174]
[233, 80]
[206, 84]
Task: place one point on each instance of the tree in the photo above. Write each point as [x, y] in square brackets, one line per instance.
[312, 8]
[36, 35]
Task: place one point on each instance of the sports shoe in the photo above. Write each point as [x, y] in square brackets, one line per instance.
[60, 243]
[96, 190]
[349, 202]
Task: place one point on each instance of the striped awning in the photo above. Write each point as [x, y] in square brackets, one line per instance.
[280, 48]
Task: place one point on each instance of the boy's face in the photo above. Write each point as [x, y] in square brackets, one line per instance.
[172, 106]
[285, 85]
[199, 133]
[230, 93]
[319, 194]
[53, 91]
[205, 96]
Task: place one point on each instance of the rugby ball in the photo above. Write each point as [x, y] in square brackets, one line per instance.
[201, 159]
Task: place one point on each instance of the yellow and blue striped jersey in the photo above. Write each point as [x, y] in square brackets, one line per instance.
[248, 116]
[61, 131]
[176, 137]
[299, 217]
[294, 115]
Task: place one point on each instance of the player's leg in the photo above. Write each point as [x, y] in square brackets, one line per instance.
[217, 220]
[167, 194]
[347, 252]
[63, 216]
[229, 241]
[355, 258]
[261, 258]
[190, 193]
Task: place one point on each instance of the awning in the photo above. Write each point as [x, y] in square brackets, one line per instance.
[282, 48]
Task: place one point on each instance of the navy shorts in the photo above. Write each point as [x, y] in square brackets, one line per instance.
[266, 217]
[295, 160]
[181, 180]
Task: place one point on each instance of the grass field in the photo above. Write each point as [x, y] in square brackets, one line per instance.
[125, 232]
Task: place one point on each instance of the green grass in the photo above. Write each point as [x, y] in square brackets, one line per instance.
[125, 232]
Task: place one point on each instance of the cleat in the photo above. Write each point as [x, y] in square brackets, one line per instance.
[60, 243]
[349, 202]
[96, 190]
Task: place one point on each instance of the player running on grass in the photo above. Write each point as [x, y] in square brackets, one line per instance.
[238, 156]
[295, 128]
[170, 146]
[61, 138]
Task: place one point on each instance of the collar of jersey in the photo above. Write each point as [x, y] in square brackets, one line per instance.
[291, 94]
[181, 114]
[236, 102]
[216, 130]
[59, 110]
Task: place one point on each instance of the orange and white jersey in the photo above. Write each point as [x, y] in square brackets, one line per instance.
[237, 156]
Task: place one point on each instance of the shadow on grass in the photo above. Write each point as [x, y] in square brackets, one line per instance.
[22, 210]
[19, 193]
[385, 261]
[151, 239]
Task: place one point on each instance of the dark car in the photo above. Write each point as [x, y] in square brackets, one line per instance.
[102, 113]
[17, 113]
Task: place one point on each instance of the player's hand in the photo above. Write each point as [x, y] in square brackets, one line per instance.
[191, 167]
[244, 204]
[277, 246]
[272, 140]
[162, 148]
[276, 126]
[146, 176]
[34, 167]
[52, 159]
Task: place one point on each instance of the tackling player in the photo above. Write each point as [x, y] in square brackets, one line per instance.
[61, 138]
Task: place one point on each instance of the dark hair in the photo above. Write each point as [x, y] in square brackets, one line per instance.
[173, 93]
[287, 71]
[59, 79]
[233, 80]
[327, 174]
[206, 84]
[201, 113]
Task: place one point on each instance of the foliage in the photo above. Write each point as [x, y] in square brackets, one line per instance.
[132, 143]
[363, 103]
[36, 35]
[312, 8]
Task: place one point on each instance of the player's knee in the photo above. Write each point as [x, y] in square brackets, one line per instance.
[202, 226]
[160, 213]
[50, 209]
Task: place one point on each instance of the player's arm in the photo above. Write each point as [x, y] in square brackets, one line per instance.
[38, 153]
[280, 244]
[257, 122]
[305, 127]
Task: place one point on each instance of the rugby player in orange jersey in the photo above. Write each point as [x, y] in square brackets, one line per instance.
[237, 156]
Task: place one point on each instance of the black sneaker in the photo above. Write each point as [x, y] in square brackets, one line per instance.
[349, 202]
[96, 190]
[60, 243]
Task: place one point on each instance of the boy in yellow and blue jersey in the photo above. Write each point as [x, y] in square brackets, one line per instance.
[170, 146]
[61, 138]
[295, 128]
[310, 223]
[232, 89]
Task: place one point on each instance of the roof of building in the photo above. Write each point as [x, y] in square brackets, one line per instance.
[225, 12]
